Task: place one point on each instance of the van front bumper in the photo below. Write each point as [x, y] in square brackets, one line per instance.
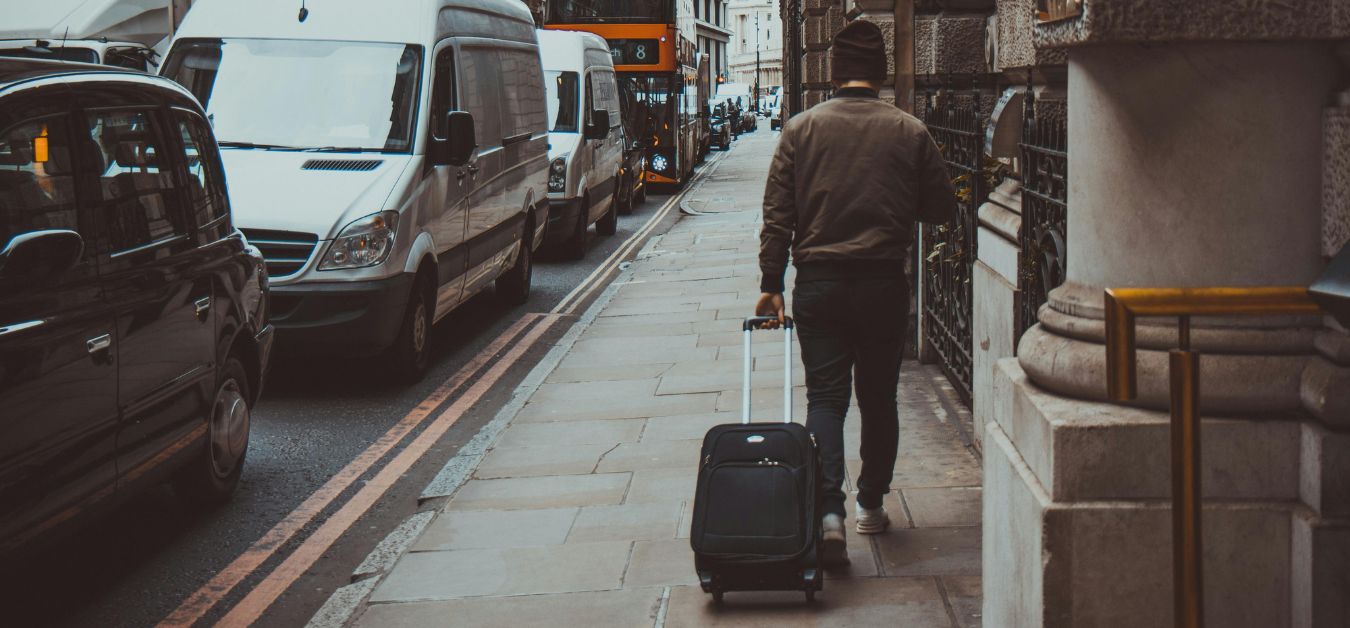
[349, 319]
[562, 219]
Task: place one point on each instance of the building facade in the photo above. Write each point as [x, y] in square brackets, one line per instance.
[756, 50]
[714, 35]
[1119, 143]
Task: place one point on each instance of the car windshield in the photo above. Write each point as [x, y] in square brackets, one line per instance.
[56, 53]
[303, 95]
[562, 100]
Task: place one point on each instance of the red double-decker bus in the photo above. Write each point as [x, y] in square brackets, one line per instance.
[658, 66]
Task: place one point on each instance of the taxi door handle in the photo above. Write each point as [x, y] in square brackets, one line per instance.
[99, 344]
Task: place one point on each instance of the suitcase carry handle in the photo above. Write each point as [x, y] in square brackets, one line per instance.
[757, 322]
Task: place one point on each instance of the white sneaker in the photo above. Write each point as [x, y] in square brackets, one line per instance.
[834, 542]
[872, 520]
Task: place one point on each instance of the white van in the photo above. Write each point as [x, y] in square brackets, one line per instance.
[389, 158]
[122, 33]
[586, 148]
[122, 54]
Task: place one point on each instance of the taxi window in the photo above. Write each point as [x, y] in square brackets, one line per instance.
[37, 183]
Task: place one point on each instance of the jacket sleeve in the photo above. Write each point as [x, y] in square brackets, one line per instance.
[937, 196]
[780, 215]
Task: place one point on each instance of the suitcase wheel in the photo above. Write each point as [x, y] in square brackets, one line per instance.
[717, 597]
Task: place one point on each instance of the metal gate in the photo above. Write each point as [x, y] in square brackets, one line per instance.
[1045, 186]
[949, 250]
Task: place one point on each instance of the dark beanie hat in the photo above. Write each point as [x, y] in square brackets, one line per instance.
[859, 52]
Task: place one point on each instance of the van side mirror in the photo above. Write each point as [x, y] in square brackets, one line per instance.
[598, 129]
[456, 149]
[40, 254]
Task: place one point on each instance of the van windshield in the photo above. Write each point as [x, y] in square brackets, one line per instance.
[57, 53]
[562, 100]
[303, 95]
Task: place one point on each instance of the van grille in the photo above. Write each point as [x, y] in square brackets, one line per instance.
[285, 251]
[342, 165]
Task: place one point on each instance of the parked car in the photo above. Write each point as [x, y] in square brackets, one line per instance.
[586, 143]
[134, 333]
[389, 158]
[633, 174]
[721, 128]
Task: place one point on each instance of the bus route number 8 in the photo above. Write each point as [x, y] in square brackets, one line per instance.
[640, 52]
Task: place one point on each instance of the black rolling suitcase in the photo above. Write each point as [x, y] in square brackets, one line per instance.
[757, 514]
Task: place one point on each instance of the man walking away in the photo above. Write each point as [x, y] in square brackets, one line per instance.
[849, 179]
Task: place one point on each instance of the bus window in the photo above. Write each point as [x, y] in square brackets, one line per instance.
[609, 11]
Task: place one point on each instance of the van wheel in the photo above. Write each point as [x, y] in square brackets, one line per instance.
[622, 200]
[575, 248]
[211, 478]
[608, 224]
[410, 355]
[513, 287]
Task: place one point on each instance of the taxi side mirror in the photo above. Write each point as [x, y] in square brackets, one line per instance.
[40, 254]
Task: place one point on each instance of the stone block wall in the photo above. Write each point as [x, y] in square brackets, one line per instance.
[949, 44]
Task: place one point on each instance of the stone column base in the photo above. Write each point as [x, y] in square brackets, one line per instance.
[1077, 519]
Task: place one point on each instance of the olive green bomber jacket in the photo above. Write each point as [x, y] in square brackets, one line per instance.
[848, 181]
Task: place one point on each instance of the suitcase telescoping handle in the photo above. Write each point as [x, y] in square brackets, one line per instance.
[757, 322]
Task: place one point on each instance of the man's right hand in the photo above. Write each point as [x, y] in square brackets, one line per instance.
[771, 304]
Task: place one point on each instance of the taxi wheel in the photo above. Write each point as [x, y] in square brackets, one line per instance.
[210, 479]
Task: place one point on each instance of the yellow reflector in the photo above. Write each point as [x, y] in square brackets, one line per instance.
[40, 147]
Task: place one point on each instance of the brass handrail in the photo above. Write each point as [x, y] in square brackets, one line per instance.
[1123, 305]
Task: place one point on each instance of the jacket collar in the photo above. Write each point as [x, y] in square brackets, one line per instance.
[855, 92]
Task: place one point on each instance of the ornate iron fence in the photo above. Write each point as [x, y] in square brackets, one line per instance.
[949, 250]
[1045, 185]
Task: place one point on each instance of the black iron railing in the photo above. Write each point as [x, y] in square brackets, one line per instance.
[949, 250]
[1045, 185]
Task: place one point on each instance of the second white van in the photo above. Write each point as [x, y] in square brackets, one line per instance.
[586, 141]
[390, 158]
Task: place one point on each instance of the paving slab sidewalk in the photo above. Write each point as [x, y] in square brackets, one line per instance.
[579, 513]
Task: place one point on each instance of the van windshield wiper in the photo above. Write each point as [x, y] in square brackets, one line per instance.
[343, 149]
[252, 145]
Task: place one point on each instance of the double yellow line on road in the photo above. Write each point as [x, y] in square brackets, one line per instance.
[519, 339]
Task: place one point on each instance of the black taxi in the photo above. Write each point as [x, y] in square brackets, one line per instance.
[134, 333]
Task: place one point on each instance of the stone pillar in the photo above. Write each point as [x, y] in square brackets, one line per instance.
[1196, 159]
[998, 270]
[822, 19]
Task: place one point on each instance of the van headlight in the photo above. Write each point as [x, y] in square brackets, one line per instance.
[366, 242]
[557, 175]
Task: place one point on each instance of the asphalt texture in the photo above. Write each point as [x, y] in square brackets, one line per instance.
[134, 566]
